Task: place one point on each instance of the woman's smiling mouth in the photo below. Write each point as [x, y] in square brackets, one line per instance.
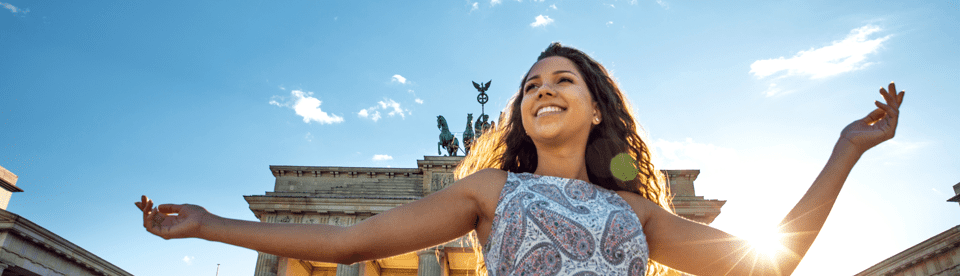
[548, 110]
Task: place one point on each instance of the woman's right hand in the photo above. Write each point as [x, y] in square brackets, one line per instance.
[172, 221]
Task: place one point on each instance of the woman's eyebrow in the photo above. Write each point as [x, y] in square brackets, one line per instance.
[533, 78]
[555, 73]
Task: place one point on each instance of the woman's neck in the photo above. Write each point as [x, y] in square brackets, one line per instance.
[562, 162]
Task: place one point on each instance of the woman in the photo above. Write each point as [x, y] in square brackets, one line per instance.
[540, 195]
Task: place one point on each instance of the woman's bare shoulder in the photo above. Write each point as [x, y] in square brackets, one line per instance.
[640, 205]
[486, 185]
[485, 181]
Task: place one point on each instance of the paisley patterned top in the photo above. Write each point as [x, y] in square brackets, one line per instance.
[546, 225]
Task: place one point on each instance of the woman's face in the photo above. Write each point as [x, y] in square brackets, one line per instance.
[556, 104]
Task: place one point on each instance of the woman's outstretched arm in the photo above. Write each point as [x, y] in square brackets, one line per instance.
[442, 216]
[703, 250]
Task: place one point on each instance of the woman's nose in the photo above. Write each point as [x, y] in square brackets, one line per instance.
[545, 90]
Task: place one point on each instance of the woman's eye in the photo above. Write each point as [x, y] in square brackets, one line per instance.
[566, 80]
[530, 87]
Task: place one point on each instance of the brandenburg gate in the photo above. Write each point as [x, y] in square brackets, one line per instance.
[347, 195]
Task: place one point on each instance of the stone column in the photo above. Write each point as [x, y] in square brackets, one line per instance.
[348, 270]
[430, 259]
[266, 265]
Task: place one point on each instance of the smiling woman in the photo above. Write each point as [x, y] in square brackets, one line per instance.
[539, 192]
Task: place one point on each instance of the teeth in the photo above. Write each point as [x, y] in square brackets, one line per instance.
[548, 109]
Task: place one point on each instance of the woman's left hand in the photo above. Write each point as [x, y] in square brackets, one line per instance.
[880, 125]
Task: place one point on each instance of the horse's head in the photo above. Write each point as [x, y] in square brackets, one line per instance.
[441, 121]
[469, 117]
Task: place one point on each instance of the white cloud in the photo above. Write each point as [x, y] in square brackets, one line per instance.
[553, 6]
[611, 5]
[390, 104]
[305, 105]
[661, 3]
[399, 78]
[541, 20]
[494, 2]
[900, 148]
[773, 90]
[391, 107]
[12, 8]
[308, 137]
[609, 23]
[188, 259]
[633, 2]
[382, 157]
[842, 56]
[366, 113]
[476, 6]
[418, 100]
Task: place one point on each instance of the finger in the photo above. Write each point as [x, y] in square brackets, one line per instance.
[900, 98]
[890, 111]
[137, 203]
[886, 96]
[169, 208]
[874, 116]
[892, 90]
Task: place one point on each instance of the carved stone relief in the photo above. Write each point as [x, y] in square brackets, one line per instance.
[310, 220]
[440, 180]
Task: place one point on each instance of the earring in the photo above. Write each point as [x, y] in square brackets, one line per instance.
[596, 119]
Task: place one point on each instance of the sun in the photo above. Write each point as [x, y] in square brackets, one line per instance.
[766, 241]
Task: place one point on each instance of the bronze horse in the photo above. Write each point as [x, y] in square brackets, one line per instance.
[447, 140]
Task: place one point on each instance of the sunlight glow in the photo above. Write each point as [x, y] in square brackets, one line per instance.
[766, 241]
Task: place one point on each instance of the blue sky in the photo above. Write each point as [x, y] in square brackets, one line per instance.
[103, 101]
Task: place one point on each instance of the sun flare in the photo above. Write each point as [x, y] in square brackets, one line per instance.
[766, 242]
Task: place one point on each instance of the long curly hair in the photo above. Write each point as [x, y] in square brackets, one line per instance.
[507, 147]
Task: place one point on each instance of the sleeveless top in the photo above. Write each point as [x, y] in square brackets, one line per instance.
[546, 225]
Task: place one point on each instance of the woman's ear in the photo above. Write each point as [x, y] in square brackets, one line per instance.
[597, 117]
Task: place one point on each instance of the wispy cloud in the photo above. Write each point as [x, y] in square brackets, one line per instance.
[305, 105]
[308, 137]
[842, 56]
[774, 90]
[382, 157]
[661, 3]
[541, 20]
[12, 8]
[188, 259]
[418, 100]
[475, 6]
[553, 6]
[369, 113]
[609, 23]
[398, 78]
[494, 2]
[391, 107]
